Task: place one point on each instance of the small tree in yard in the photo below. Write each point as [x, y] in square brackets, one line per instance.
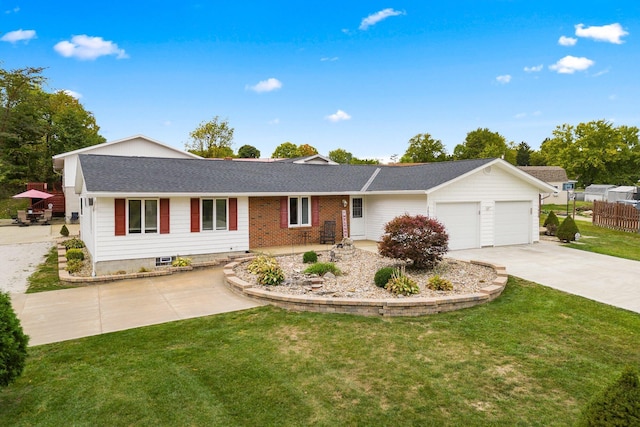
[617, 405]
[567, 230]
[551, 223]
[13, 343]
[422, 240]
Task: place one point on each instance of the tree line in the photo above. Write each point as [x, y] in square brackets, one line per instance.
[36, 125]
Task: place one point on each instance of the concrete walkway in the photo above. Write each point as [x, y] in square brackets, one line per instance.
[96, 309]
[610, 280]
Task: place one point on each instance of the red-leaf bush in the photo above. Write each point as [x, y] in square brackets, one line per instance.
[422, 240]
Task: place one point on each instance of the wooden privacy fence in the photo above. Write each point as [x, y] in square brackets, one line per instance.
[616, 216]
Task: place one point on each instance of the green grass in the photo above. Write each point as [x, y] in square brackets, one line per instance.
[532, 357]
[608, 242]
[9, 207]
[605, 241]
[45, 278]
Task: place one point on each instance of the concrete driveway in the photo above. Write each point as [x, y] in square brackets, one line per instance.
[613, 281]
[96, 309]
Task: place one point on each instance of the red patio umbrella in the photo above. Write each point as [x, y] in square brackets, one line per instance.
[33, 194]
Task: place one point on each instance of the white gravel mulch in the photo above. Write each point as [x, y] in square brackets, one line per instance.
[359, 269]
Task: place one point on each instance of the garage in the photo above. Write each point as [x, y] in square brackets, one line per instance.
[462, 223]
[512, 223]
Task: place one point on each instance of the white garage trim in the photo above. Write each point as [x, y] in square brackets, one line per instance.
[462, 222]
[512, 223]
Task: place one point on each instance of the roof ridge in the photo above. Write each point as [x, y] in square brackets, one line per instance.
[371, 178]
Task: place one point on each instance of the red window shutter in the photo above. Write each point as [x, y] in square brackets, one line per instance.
[284, 212]
[195, 215]
[164, 216]
[233, 214]
[120, 217]
[315, 211]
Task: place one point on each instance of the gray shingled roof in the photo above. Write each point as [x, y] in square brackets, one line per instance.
[114, 174]
[546, 173]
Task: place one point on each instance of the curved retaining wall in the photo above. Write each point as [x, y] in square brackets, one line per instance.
[369, 307]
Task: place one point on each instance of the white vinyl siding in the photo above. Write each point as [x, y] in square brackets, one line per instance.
[487, 187]
[181, 241]
[383, 208]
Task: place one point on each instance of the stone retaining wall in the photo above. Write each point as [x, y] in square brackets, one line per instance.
[368, 307]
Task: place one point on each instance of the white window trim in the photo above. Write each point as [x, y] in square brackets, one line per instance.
[214, 228]
[142, 216]
[299, 218]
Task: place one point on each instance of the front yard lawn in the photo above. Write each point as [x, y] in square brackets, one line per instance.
[532, 357]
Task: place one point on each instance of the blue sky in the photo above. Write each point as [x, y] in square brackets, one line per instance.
[362, 76]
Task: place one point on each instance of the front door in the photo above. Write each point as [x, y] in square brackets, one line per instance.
[357, 218]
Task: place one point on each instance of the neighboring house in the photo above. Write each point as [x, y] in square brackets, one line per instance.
[597, 192]
[624, 192]
[141, 211]
[552, 175]
[138, 145]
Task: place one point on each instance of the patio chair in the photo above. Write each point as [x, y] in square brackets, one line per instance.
[46, 216]
[22, 218]
[328, 232]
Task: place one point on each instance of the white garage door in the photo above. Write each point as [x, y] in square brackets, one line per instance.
[462, 223]
[513, 223]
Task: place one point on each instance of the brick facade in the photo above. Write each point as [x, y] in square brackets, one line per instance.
[264, 222]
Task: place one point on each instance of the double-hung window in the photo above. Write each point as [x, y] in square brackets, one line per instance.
[143, 216]
[299, 211]
[214, 214]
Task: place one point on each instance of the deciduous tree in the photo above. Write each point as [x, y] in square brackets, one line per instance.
[286, 150]
[424, 148]
[212, 139]
[595, 152]
[248, 152]
[341, 156]
[482, 144]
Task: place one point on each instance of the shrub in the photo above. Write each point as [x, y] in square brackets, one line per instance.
[400, 284]
[310, 257]
[616, 405]
[321, 268]
[268, 270]
[73, 243]
[181, 262]
[422, 240]
[272, 276]
[567, 230]
[13, 348]
[74, 265]
[75, 253]
[551, 223]
[64, 231]
[437, 283]
[383, 276]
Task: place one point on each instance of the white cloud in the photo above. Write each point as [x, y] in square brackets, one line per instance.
[86, 47]
[374, 18]
[274, 121]
[536, 113]
[520, 115]
[613, 97]
[14, 10]
[19, 35]
[329, 59]
[265, 85]
[570, 64]
[567, 41]
[533, 69]
[167, 123]
[338, 116]
[72, 93]
[605, 33]
[504, 79]
[601, 73]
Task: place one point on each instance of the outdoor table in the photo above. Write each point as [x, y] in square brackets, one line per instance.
[34, 216]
